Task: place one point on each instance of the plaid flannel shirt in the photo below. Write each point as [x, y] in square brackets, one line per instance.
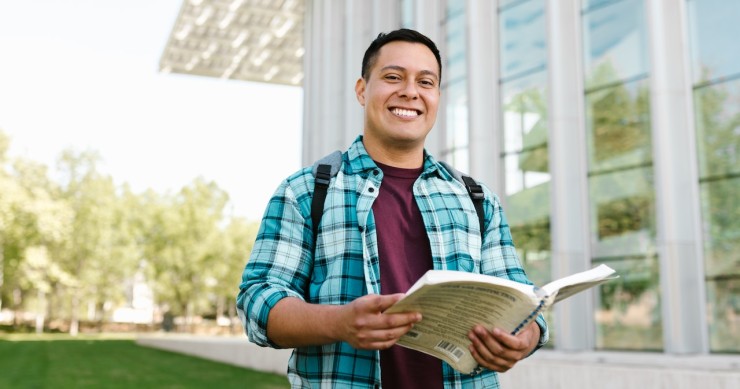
[344, 265]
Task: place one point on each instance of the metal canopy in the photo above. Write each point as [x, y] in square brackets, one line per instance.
[254, 40]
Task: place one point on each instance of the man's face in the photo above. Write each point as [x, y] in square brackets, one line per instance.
[401, 94]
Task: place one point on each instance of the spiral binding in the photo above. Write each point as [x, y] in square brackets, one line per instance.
[530, 317]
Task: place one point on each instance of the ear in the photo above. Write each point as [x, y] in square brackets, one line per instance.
[360, 90]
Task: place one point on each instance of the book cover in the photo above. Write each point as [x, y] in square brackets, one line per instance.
[453, 302]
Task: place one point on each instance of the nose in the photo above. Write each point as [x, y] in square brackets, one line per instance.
[409, 91]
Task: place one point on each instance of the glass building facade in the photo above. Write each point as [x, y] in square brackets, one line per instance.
[455, 84]
[622, 208]
[620, 172]
[523, 84]
[610, 130]
[715, 65]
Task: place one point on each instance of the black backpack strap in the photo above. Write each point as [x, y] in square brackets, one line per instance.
[323, 170]
[321, 184]
[476, 194]
[475, 191]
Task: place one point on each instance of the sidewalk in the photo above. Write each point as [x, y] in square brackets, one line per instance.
[236, 350]
[545, 369]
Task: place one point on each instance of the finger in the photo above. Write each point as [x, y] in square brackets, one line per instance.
[489, 342]
[386, 301]
[376, 303]
[492, 354]
[485, 345]
[513, 342]
[382, 339]
[393, 320]
[490, 365]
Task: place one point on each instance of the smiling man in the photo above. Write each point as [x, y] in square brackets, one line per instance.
[391, 213]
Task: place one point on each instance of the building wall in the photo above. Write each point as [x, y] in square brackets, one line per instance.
[609, 128]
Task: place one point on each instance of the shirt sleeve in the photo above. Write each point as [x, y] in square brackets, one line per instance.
[498, 254]
[279, 265]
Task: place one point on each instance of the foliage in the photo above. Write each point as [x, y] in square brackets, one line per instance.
[71, 248]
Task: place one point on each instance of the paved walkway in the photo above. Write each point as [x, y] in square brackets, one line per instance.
[236, 350]
[545, 369]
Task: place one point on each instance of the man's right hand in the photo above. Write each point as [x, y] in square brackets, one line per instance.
[363, 324]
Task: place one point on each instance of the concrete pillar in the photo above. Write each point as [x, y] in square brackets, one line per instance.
[683, 299]
[569, 228]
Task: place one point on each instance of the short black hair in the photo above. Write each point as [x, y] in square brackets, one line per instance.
[403, 34]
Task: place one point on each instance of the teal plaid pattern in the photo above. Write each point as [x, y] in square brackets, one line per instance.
[344, 264]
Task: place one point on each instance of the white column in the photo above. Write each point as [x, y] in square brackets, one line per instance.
[386, 16]
[311, 90]
[324, 85]
[428, 14]
[483, 93]
[676, 180]
[359, 35]
[568, 170]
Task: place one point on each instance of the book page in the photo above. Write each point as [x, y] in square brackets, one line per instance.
[449, 311]
[570, 285]
[452, 303]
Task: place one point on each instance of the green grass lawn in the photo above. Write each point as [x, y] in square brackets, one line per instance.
[60, 361]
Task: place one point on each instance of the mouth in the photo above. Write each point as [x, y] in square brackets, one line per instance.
[406, 113]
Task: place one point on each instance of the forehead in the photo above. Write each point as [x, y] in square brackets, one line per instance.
[409, 55]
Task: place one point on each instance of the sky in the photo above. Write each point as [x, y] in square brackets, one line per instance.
[83, 75]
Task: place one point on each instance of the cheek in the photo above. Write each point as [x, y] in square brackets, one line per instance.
[432, 105]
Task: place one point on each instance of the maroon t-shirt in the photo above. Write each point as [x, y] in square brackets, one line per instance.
[405, 255]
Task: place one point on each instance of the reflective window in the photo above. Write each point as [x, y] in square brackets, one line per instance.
[524, 139]
[618, 127]
[714, 31]
[718, 140]
[615, 43]
[620, 174]
[622, 213]
[525, 133]
[523, 48]
[629, 314]
[456, 87]
[457, 125]
[506, 3]
[591, 4]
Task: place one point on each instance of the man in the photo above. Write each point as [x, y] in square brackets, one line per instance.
[391, 213]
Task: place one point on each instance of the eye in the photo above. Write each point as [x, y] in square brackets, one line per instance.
[427, 83]
[392, 77]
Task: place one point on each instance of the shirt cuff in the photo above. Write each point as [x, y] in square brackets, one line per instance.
[258, 310]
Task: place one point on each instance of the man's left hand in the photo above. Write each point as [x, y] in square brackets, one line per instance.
[498, 350]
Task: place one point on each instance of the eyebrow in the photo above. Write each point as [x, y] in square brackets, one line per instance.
[403, 69]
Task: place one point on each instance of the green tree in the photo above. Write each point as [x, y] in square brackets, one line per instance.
[235, 246]
[185, 246]
[101, 252]
[32, 222]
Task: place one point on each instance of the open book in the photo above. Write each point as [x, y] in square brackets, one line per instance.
[453, 302]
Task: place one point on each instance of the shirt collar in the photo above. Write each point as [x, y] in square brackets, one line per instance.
[360, 161]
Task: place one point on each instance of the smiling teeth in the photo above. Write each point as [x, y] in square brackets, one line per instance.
[405, 112]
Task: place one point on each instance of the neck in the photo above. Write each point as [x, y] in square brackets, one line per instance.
[397, 156]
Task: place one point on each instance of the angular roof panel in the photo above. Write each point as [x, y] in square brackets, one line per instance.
[254, 40]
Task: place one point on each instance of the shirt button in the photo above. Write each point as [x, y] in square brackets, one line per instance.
[376, 172]
[371, 189]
